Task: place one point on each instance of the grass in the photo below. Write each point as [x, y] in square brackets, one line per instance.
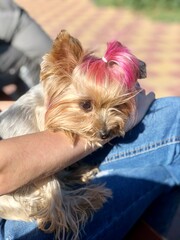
[163, 10]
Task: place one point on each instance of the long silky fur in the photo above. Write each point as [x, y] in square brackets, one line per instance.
[55, 202]
[56, 207]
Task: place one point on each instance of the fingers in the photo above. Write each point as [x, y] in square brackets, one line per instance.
[143, 102]
[151, 97]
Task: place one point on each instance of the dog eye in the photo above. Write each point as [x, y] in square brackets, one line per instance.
[86, 105]
[117, 107]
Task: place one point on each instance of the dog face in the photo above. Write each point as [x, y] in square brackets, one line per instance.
[85, 95]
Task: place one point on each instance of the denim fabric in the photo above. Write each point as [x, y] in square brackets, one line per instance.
[138, 168]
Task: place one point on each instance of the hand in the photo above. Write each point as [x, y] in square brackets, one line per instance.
[143, 102]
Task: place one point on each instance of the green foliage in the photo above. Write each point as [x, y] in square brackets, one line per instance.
[168, 10]
[143, 4]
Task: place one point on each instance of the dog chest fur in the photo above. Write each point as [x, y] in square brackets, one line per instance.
[25, 116]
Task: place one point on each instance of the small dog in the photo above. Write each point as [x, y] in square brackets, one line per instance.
[84, 96]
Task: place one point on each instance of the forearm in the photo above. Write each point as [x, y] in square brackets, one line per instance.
[29, 157]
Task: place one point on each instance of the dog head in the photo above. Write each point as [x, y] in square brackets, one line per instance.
[89, 96]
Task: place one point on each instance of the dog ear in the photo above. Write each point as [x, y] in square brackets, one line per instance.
[58, 65]
[142, 70]
[65, 54]
[67, 50]
[56, 71]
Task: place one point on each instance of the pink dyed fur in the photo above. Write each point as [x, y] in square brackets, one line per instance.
[121, 65]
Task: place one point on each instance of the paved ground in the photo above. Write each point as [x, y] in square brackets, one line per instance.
[156, 43]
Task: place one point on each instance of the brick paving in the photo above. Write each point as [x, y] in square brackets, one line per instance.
[155, 42]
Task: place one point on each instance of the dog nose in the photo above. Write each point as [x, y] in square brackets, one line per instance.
[104, 134]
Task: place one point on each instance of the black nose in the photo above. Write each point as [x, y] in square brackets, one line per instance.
[104, 134]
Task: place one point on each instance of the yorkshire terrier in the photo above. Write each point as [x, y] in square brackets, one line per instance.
[84, 96]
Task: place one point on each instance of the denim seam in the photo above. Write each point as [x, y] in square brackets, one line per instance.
[141, 150]
[127, 209]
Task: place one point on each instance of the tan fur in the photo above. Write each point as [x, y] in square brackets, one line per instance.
[54, 202]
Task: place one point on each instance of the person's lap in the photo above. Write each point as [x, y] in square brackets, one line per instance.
[138, 169]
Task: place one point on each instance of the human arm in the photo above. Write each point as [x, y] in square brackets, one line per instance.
[19, 29]
[25, 158]
[28, 157]
[20, 56]
[9, 19]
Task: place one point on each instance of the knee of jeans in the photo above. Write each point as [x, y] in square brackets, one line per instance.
[170, 105]
[174, 102]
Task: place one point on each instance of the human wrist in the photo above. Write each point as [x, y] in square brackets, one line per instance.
[37, 155]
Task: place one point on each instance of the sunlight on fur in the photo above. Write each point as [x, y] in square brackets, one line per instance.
[84, 96]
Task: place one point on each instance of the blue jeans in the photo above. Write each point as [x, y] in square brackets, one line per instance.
[138, 168]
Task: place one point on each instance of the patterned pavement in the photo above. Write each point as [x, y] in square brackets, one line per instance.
[156, 43]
